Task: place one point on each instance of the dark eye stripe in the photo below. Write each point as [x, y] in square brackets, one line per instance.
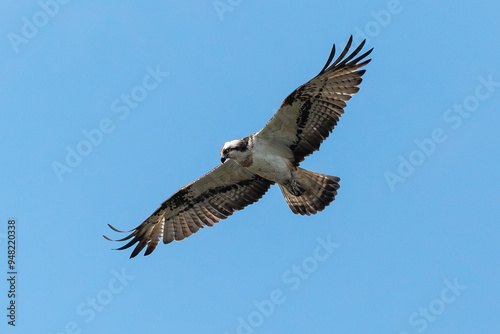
[241, 148]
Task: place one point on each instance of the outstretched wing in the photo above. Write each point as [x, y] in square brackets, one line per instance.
[308, 115]
[214, 196]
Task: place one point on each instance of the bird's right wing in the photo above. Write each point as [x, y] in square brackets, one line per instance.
[215, 196]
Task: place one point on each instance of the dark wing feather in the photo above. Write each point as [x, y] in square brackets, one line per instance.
[309, 114]
[214, 196]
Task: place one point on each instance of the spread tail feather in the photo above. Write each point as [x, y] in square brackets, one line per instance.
[319, 191]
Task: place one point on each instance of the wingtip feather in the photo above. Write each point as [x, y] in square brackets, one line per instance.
[330, 58]
[117, 230]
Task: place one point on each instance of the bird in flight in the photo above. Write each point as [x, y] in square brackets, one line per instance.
[273, 155]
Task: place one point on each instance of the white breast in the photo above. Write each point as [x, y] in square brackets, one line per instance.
[269, 163]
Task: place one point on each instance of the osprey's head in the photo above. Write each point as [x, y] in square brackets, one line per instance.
[237, 150]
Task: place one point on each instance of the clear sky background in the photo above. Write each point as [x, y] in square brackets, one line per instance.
[410, 245]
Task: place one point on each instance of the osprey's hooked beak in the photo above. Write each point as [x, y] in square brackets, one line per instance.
[223, 158]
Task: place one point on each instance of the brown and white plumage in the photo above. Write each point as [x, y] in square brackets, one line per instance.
[272, 155]
[309, 114]
[204, 202]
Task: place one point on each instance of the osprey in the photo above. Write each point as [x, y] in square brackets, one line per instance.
[273, 155]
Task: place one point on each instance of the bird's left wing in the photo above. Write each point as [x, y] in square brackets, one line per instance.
[308, 115]
[215, 196]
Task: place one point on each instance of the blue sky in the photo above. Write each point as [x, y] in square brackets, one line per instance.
[149, 92]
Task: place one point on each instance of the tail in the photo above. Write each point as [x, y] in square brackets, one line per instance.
[310, 192]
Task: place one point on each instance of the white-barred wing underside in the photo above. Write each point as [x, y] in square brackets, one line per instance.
[214, 196]
[308, 115]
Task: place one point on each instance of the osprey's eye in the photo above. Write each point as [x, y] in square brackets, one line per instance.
[226, 151]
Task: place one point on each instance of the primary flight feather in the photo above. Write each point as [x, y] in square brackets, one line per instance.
[273, 155]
